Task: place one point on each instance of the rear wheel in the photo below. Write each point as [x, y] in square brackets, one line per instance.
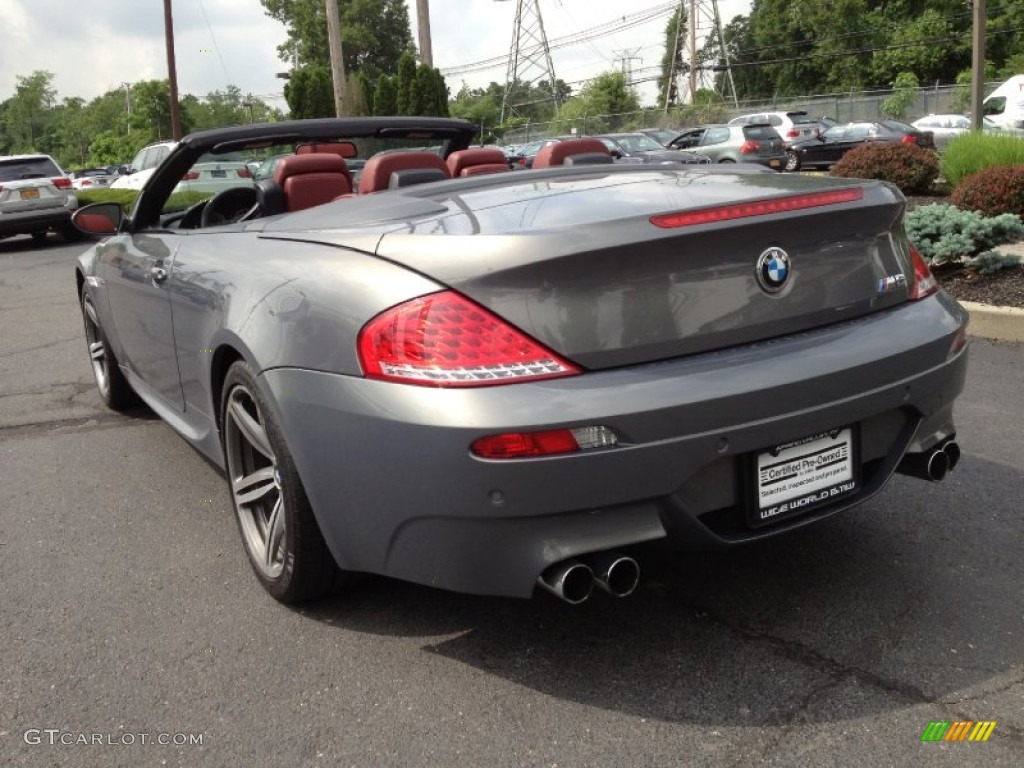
[792, 161]
[115, 391]
[281, 536]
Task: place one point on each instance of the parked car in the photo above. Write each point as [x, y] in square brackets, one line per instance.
[825, 150]
[1005, 105]
[36, 197]
[663, 136]
[640, 148]
[735, 144]
[791, 126]
[493, 383]
[91, 177]
[944, 128]
[143, 165]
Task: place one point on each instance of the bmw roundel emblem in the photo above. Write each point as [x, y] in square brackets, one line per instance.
[773, 269]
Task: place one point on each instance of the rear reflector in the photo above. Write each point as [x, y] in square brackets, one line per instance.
[908, 139]
[445, 340]
[748, 146]
[62, 183]
[924, 283]
[757, 208]
[517, 445]
[191, 176]
[244, 173]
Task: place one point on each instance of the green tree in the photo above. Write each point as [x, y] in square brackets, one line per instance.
[405, 77]
[310, 92]
[905, 89]
[675, 46]
[28, 115]
[374, 33]
[385, 99]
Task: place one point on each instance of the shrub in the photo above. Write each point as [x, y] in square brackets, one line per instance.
[911, 168]
[992, 261]
[975, 152]
[992, 191]
[944, 233]
[126, 197]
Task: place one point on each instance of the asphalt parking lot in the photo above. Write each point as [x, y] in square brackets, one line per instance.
[129, 613]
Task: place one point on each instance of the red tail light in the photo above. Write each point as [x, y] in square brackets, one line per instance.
[756, 208]
[191, 176]
[518, 445]
[748, 147]
[924, 283]
[908, 139]
[522, 161]
[792, 133]
[445, 340]
[86, 183]
[244, 173]
[62, 182]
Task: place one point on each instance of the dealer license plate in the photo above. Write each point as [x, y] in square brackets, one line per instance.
[796, 477]
[31, 193]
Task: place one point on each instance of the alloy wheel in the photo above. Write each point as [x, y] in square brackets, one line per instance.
[97, 347]
[255, 481]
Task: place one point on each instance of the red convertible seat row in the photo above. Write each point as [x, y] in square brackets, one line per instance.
[471, 162]
[559, 151]
[401, 169]
[302, 181]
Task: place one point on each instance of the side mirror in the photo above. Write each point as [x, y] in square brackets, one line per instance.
[616, 154]
[99, 219]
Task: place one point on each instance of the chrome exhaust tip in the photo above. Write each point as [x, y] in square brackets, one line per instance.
[952, 451]
[615, 573]
[930, 465]
[569, 580]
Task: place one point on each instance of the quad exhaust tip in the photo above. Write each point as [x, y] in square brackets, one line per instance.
[574, 580]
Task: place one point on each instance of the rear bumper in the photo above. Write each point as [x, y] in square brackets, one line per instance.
[25, 222]
[397, 492]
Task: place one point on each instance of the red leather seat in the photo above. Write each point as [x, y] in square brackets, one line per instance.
[311, 179]
[471, 162]
[555, 154]
[377, 172]
[342, 149]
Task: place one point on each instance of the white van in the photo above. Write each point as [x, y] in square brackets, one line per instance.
[1005, 105]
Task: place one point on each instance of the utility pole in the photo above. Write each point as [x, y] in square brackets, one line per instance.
[423, 24]
[978, 65]
[172, 74]
[337, 61]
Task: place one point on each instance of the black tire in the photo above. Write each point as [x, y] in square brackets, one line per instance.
[70, 233]
[281, 537]
[115, 391]
[725, 160]
[792, 161]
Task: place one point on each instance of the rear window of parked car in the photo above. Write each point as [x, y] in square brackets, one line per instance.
[28, 168]
[760, 133]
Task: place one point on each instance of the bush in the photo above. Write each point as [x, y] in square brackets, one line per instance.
[975, 152]
[990, 262]
[944, 233]
[992, 191]
[126, 197]
[908, 166]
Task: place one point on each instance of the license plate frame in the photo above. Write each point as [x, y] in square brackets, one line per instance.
[30, 193]
[802, 475]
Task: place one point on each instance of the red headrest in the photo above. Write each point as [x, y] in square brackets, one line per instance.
[378, 169]
[459, 161]
[313, 179]
[555, 154]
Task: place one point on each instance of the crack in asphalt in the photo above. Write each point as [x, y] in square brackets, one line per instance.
[81, 424]
[78, 387]
[41, 346]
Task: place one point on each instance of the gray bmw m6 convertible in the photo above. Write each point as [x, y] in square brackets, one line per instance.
[484, 381]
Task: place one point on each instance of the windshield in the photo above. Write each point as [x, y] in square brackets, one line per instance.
[639, 143]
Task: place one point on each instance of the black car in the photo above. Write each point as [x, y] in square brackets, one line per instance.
[640, 148]
[826, 149]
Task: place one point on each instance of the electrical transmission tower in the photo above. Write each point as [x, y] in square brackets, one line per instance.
[627, 57]
[529, 57]
[703, 21]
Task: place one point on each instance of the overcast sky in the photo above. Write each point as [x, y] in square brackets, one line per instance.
[95, 45]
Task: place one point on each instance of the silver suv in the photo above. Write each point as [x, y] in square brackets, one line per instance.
[35, 197]
[791, 126]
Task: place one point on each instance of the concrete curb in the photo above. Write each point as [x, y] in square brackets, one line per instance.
[998, 323]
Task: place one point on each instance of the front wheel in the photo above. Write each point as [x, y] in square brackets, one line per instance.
[792, 161]
[281, 536]
[115, 391]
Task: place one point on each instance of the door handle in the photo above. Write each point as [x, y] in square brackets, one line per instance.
[159, 274]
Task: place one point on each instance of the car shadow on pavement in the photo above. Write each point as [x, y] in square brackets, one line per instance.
[913, 598]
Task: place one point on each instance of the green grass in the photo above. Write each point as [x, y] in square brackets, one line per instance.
[975, 152]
